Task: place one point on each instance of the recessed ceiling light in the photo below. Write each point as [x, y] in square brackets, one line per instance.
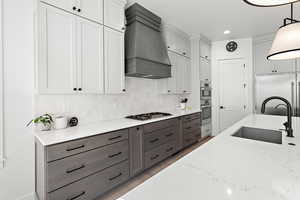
[227, 32]
[269, 3]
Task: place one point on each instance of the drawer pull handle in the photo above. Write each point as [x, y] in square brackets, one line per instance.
[75, 169]
[77, 196]
[169, 135]
[154, 157]
[75, 148]
[153, 141]
[113, 178]
[169, 149]
[114, 138]
[114, 155]
[188, 128]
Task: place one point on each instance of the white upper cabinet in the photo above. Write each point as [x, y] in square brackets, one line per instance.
[114, 61]
[114, 16]
[90, 57]
[57, 51]
[205, 69]
[68, 5]
[205, 50]
[177, 41]
[265, 66]
[170, 83]
[90, 9]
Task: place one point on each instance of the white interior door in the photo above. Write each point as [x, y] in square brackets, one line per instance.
[90, 59]
[233, 92]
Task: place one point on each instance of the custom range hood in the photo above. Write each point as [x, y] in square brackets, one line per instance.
[146, 52]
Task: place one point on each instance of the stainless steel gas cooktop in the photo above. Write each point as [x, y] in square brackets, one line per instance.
[148, 116]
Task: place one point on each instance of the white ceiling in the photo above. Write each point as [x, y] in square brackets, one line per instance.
[212, 17]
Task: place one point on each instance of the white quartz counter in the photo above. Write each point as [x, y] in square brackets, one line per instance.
[58, 136]
[232, 168]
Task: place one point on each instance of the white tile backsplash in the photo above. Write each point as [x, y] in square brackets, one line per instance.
[142, 96]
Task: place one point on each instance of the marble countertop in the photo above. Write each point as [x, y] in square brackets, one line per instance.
[47, 138]
[232, 168]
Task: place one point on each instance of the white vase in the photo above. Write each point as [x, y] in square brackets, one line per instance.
[61, 122]
[42, 127]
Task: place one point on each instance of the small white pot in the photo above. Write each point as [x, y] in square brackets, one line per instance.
[183, 106]
[61, 122]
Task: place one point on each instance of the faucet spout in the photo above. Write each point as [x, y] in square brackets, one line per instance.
[288, 124]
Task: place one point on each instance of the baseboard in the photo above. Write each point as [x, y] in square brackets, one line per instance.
[28, 197]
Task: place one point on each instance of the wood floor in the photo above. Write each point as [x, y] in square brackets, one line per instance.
[131, 184]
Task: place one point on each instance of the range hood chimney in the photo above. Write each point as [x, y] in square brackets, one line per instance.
[146, 51]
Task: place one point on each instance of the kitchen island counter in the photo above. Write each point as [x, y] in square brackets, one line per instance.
[232, 168]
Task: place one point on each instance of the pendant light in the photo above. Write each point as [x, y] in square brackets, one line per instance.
[286, 44]
[269, 3]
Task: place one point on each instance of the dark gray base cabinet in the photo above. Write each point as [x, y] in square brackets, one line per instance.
[85, 169]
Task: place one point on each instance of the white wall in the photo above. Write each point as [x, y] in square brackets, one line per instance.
[219, 52]
[143, 95]
[17, 177]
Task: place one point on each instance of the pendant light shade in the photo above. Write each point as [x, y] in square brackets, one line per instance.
[287, 43]
[269, 3]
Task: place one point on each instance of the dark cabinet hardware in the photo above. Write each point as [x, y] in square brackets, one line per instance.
[169, 91]
[74, 8]
[124, 90]
[184, 53]
[222, 107]
[169, 135]
[114, 138]
[123, 28]
[169, 149]
[77, 196]
[114, 155]
[154, 157]
[154, 140]
[138, 128]
[115, 177]
[80, 89]
[75, 89]
[184, 91]
[75, 148]
[79, 10]
[75, 169]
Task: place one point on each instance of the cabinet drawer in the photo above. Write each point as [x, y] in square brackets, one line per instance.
[93, 186]
[70, 169]
[191, 126]
[160, 125]
[189, 139]
[74, 147]
[191, 117]
[160, 153]
[159, 137]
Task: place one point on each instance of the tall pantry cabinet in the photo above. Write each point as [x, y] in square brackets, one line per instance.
[81, 47]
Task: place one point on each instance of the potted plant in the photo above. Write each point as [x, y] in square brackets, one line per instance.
[42, 123]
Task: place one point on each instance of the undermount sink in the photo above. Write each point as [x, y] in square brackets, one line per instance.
[263, 135]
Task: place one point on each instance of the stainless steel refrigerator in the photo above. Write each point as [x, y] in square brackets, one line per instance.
[284, 85]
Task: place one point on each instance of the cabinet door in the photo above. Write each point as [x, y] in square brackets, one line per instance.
[114, 61]
[180, 74]
[136, 150]
[265, 66]
[57, 51]
[205, 69]
[171, 82]
[91, 9]
[90, 57]
[205, 50]
[114, 15]
[187, 75]
[63, 4]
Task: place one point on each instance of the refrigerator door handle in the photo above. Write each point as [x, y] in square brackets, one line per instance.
[293, 97]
